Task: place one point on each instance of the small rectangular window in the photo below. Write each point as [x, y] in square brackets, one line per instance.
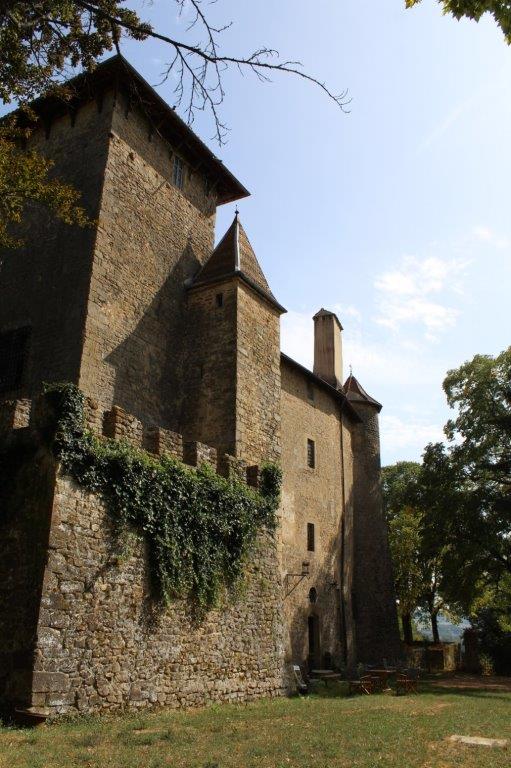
[13, 352]
[220, 299]
[311, 537]
[310, 392]
[311, 454]
[178, 173]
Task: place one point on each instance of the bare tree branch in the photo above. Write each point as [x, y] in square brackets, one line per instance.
[200, 66]
[41, 39]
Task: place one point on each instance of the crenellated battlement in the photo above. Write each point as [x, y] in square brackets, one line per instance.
[118, 424]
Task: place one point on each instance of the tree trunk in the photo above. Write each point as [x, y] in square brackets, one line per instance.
[406, 623]
[434, 626]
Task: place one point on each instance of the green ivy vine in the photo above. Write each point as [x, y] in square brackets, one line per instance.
[199, 527]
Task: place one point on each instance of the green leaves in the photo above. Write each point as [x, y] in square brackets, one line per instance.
[24, 179]
[199, 527]
[474, 9]
[39, 40]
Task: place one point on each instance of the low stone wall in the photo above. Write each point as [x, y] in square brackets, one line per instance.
[443, 657]
[102, 644]
[94, 639]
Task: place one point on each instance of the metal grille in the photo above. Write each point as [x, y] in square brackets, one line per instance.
[13, 350]
[311, 454]
[311, 537]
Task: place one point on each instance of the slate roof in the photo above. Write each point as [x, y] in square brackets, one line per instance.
[357, 394]
[235, 257]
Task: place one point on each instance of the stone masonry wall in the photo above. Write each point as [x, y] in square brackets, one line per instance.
[25, 508]
[210, 412]
[45, 283]
[233, 371]
[373, 596]
[102, 645]
[152, 236]
[80, 631]
[311, 496]
[258, 418]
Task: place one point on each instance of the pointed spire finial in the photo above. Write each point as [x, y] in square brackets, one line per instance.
[236, 212]
[351, 370]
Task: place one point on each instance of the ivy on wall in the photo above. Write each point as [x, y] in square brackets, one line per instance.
[199, 527]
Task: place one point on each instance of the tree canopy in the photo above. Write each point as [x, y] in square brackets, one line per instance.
[404, 520]
[475, 9]
[469, 503]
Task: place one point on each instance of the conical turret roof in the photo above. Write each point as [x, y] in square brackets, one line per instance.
[234, 256]
[356, 393]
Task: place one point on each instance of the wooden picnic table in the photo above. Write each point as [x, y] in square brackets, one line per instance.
[327, 675]
[384, 674]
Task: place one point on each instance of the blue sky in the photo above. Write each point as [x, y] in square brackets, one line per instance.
[397, 216]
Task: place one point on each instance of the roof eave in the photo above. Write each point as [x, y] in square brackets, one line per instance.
[229, 188]
[244, 278]
[346, 406]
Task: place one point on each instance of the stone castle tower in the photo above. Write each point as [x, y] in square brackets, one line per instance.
[176, 344]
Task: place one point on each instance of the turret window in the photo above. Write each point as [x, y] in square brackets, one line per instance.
[311, 454]
[311, 537]
[178, 173]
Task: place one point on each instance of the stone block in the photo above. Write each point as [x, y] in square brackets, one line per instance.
[231, 467]
[14, 414]
[93, 415]
[164, 441]
[195, 454]
[49, 682]
[120, 425]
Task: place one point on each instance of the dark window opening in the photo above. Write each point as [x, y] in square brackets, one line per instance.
[311, 454]
[311, 537]
[310, 392]
[313, 595]
[178, 173]
[13, 352]
[220, 299]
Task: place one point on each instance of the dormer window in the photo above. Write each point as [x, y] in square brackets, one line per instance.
[178, 172]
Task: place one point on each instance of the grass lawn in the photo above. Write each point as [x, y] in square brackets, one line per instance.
[327, 729]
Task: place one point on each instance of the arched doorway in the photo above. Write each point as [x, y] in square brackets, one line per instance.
[314, 656]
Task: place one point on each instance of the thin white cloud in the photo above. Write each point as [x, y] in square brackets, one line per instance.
[407, 436]
[487, 235]
[414, 294]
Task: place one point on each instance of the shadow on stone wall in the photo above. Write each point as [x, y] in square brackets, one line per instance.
[152, 363]
[354, 607]
[26, 496]
[327, 611]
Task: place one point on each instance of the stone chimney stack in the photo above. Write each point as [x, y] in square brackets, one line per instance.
[328, 347]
